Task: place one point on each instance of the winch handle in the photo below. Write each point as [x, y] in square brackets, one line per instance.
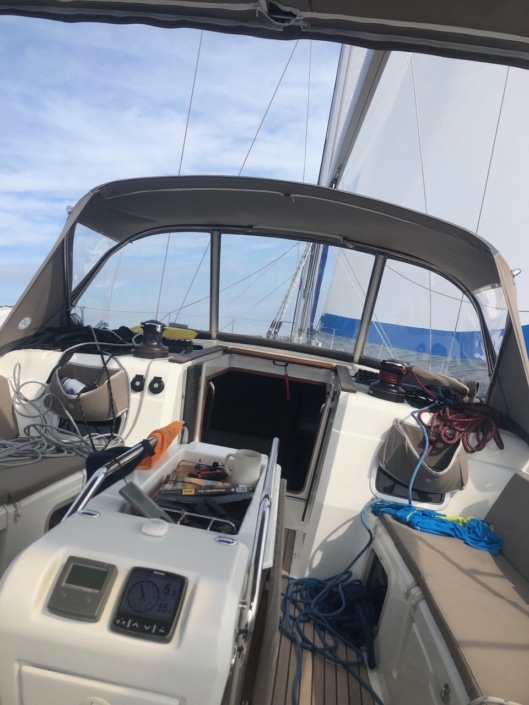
[89, 490]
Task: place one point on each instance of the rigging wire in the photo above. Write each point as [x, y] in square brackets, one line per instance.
[423, 179]
[163, 275]
[257, 275]
[184, 141]
[249, 286]
[182, 306]
[361, 295]
[308, 112]
[430, 322]
[193, 280]
[276, 323]
[266, 266]
[416, 105]
[242, 315]
[268, 107]
[493, 149]
[444, 364]
[190, 102]
[119, 259]
[422, 286]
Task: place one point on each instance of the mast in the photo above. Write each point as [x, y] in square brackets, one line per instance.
[346, 118]
[275, 326]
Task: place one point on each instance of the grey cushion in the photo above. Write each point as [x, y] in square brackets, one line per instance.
[481, 606]
[16, 483]
[510, 517]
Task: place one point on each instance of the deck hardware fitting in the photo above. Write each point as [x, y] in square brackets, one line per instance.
[156, 385]
[88, 513]
[225, 540]
[445, 693]
[138, 383]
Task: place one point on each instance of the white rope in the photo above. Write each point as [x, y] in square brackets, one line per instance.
[42, 438]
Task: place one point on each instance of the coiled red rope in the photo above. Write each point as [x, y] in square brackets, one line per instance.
[474, 425]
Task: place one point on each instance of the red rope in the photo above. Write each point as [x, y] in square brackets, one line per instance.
[390, 377]
[472, 424]
[429, 393]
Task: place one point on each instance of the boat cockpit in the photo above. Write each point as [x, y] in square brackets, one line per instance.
[201, 299]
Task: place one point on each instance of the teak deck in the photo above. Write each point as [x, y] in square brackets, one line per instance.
[322, 682]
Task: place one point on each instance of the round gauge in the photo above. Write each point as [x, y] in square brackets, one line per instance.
[143, 596]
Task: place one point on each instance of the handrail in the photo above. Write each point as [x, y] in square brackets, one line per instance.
[88, 491]
[259, 542]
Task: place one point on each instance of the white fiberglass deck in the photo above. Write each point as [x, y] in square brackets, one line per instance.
[47, 659]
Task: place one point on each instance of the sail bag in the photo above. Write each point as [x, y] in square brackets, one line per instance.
[444, 469]
[103, 393]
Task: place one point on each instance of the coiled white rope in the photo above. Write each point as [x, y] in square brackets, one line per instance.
[42, 438]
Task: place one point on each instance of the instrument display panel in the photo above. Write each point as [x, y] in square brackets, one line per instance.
[82, 588]
[150, 604]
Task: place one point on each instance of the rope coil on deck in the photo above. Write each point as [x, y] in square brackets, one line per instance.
[457, 419]
[342, 613]
[474, 425]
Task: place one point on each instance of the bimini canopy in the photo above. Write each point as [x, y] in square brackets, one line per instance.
[133, 208]
[123, 210]
[471, 29]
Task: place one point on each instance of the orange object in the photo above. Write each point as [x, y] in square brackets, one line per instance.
[164, 437]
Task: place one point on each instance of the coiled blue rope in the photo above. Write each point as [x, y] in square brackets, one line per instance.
[342, 613]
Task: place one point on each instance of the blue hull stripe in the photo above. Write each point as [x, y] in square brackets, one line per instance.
[465, 345]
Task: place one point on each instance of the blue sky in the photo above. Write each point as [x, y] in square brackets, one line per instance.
[83, 104]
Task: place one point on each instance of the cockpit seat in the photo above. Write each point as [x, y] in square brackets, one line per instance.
[20, 481]
[480, 602]
[31, 494]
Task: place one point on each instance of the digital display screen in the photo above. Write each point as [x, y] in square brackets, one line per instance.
[154, 595]
[86, 576]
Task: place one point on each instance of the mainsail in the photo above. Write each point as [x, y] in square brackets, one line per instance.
[445, 137]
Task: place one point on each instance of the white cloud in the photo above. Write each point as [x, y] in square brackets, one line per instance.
[85, 104]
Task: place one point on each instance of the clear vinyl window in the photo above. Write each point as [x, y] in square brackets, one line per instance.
[164, 276]
[424, 319]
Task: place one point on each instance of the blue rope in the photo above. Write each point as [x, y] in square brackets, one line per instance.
[342, 613]
[340, 608]
[426, 448]
[474, 532]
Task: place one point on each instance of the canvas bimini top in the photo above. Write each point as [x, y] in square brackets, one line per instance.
[128, 209]
[469, 29]
[125, 209]
[131, 210]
